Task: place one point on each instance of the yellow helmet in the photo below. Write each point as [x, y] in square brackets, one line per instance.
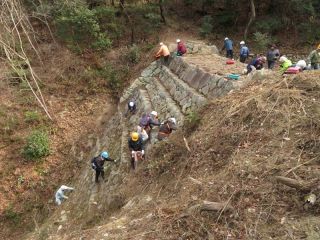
[134, 136]
[318, 47]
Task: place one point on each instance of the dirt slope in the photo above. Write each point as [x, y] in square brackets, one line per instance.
[241, 143]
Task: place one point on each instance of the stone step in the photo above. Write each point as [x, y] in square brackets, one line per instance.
[187, 97]
[163, 102]
[208, 84]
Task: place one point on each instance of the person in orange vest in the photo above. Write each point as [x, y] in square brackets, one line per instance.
[163, 52]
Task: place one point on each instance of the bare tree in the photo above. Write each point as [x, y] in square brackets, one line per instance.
[252, 18]
[162, 11]
[16, 28]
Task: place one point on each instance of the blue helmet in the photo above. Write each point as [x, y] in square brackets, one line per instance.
[104, 155]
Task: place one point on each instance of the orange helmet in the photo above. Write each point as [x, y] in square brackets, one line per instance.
[318, 47]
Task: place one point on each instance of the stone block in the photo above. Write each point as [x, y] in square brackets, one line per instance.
[221, 83]
[205, 90]
[204, 80]
[189, 73]
[196, 79]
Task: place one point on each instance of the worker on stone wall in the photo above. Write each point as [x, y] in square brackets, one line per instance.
[147, 121]
[135, 144]
[181, 48]
[228, 46]
[132, 107]
[314, 58]
[98, 162]
[166, 128]
[164, 53]
[244, 52]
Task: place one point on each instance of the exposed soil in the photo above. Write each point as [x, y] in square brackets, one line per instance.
[243, 142]
[26, 186]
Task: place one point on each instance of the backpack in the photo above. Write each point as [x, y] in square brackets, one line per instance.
[144, 121]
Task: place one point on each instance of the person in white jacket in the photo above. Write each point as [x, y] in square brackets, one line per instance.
[60, 193]
[143, 133]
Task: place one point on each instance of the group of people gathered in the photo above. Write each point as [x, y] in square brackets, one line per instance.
[271, 58]
[142, 133]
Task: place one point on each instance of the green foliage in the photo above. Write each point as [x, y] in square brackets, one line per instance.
[192, 121]
[226, 18]
[262, 40]
[134, 54]
[37, 145]
[78, 25]
[114, 77]
[206, 26]
[310, 32]
[31, 116]
[270, 25]
[12, 215]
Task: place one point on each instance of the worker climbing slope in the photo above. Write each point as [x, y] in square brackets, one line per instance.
[136, 145]
[98, 162]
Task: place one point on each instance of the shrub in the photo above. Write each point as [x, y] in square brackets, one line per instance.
[270, 25]
[262, 40]
[192, 121]
[76, 24]
[12, 215]
[134, 54]
[31, 116]
[37, 145]
[206, 27]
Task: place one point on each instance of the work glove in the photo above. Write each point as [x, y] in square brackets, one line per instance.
[142, 152]
[93, 166]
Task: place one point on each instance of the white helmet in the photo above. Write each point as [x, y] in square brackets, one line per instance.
[178, 40]
[161, 43]
[173, 120]
[131, 104]
[154, 113]
[226, 38]
[242, 43]
[283, 59]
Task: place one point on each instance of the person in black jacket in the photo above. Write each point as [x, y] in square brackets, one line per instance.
[98, 162]
[135, 144]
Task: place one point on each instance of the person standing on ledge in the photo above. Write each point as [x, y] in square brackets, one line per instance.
[163, 52]
[228, 46]
[244, 52]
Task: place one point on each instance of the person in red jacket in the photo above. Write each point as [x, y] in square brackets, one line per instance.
[181, 48]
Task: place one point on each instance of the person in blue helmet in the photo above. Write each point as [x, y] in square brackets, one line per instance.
[98, 162]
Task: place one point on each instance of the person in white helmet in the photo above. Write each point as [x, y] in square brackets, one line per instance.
[228, 46]
[181, 48]
[285, 63]
[132, 107]
[244, 52]
[164, 53]
[166, 128]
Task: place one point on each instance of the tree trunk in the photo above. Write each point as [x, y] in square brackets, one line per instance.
[112, 3]
[162, 12]
[121, 4]
[252, 18]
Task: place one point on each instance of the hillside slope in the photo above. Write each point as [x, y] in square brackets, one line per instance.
[239, 146]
